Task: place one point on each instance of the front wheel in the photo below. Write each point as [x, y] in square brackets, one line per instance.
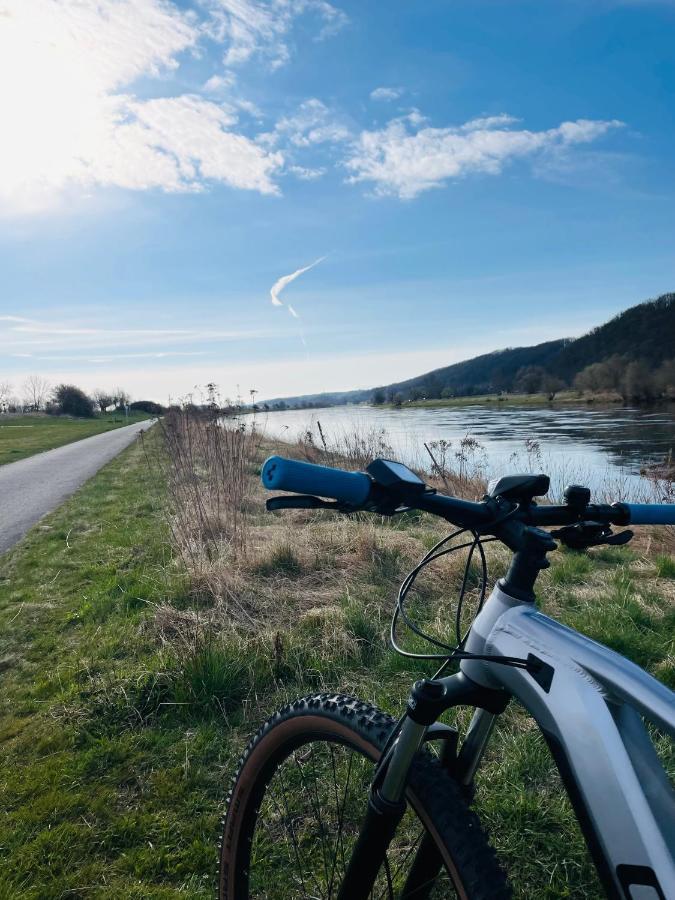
[300, 794]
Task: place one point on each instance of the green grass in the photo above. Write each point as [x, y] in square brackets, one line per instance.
[117, 740]
[282, 560]
[22, 436]
[565, 397]
[665, 566]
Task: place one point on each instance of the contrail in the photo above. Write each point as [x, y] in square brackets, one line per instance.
[285, 280]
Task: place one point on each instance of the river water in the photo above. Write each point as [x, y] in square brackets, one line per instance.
[602, 447]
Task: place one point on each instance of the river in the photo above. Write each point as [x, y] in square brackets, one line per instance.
[602, 447]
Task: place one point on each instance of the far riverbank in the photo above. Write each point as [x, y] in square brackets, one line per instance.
[563, 398]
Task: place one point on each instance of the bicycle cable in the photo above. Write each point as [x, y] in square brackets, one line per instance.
[452, 653]
[457, 651]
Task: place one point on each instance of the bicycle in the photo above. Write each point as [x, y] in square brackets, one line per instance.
[333, 798]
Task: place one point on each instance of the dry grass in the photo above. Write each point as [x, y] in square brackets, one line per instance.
[209, 467]
[208, 464]
[258, 572]
[255, 573]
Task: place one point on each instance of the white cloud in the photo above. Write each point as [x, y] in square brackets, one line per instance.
[386, 93]
[179, 142]
[306, 174]
[217, 84]
[262, 27]
[69, 120]
[403, 159]
[488, 122]
[312, 123]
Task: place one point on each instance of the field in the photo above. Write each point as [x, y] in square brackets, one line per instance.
[133, 675]
[22, 436]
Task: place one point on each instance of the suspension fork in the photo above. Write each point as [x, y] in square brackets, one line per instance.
[428, 862]
[386, 802]
[386, 806]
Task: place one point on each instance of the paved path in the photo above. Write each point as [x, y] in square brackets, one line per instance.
[32, 487]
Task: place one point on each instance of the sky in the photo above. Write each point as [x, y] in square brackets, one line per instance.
[455, 176]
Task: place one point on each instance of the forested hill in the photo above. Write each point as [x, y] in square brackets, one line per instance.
[644, 332]
[632, 354]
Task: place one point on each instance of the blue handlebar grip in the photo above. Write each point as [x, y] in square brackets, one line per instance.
[651, 513]
[282, 474]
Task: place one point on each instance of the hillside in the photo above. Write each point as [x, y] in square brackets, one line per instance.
[642, 332]
[632, 354]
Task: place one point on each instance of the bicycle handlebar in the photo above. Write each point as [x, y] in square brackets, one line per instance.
[281, 474]
[357, 490]
[651, 513]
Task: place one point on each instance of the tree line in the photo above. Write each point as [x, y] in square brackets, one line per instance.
[36, 395]
[631, 379]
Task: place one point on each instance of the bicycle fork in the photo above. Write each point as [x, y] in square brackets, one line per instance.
[386, 802]
[386, 806]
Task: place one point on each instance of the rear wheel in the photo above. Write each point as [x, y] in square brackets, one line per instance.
[300, 795]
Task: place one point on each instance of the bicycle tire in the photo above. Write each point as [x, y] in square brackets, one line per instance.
[330, 720]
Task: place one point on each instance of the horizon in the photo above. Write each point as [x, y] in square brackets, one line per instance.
[201, 192]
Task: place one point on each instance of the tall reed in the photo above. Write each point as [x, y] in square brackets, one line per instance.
[208, 462]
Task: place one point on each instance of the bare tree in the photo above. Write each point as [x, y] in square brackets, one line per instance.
[637, 382]
[5, 395]
[103, 399]
[550, 385]
[36, 390]
[120, 397]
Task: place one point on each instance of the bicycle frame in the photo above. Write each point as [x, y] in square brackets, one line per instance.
[588, 702]
[590, 716]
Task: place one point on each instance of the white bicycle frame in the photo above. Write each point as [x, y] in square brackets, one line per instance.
[591, 716]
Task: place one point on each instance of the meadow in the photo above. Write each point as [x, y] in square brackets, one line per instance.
[22, 436]
[156, 619]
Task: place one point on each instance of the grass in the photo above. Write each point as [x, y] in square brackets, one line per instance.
[22, 436]
[130, 690]
[573, 397]
[665, 565]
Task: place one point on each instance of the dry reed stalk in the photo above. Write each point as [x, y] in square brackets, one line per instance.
[206, 461]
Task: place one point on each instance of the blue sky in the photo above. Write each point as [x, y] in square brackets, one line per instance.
[476, 174]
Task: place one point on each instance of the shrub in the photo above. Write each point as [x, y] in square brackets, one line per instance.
[148, 406]
[71, 401]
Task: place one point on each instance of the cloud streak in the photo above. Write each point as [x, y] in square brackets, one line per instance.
[18, 334]
[281, 283]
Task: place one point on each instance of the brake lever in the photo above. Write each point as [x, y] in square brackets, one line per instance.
[307, 501]
[304, 501]
[590, 534]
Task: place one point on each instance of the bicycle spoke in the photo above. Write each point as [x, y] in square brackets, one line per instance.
[316, 811]
[339, 814]
[308, 823]
[405, 858]
[295, 843]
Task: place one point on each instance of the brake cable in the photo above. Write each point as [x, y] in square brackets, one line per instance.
[456, 652]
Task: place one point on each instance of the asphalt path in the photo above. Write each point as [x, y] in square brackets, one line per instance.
[33, 487]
